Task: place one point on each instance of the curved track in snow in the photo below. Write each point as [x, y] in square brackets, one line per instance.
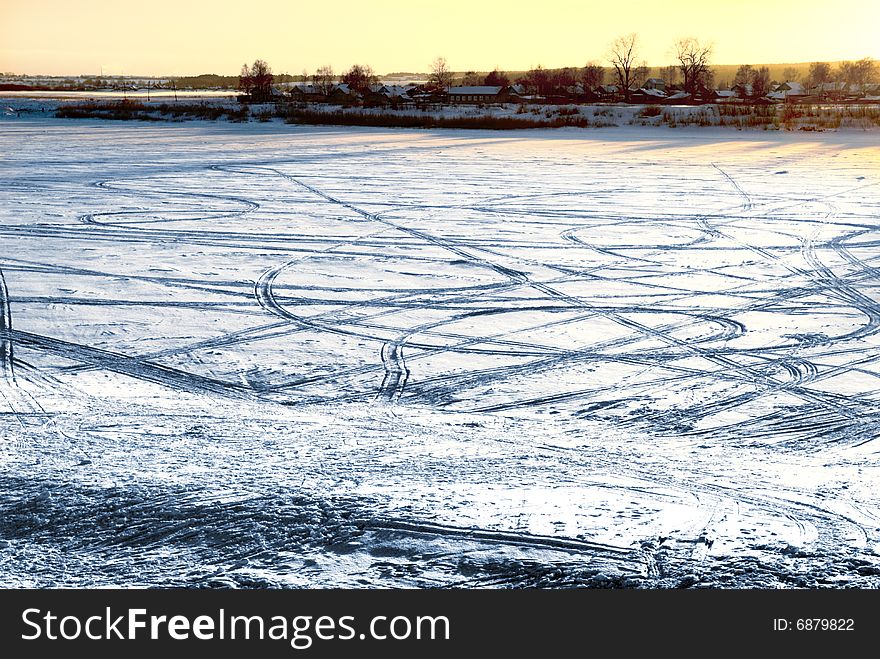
[390, 358]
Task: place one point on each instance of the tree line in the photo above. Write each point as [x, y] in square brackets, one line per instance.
[691, 72]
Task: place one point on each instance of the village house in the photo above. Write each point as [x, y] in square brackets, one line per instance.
[398, 93]
[480, 94]
[580, 92]
[831, 90]
[655, 83]
[305, 92]
[608, 92]
[679, 98]
[724, 95]
[742, 91]
[342, 94]
[703, 94]
[645, 95]
[788, 91]
[383, 95]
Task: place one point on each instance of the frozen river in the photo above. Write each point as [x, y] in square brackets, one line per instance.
[265, 355]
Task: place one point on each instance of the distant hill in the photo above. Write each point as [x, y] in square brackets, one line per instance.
[212, 80]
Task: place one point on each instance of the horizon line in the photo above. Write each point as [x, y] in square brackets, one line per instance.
[417, 73]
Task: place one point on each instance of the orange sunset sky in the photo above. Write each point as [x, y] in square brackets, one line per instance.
[165, 37]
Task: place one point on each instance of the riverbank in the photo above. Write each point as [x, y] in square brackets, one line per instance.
[494, 117]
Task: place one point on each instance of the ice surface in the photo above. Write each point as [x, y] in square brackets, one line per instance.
[251, 355]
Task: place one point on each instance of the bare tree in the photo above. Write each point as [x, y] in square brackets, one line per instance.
[263, 79]
[744, 75]
[623, 53]
[245, 80]
[537, 81]
[562, 79]
[820, 73]
[693, 62]
[845, 72]
[359, 78]
[592, 75]
[869, 70]
[323, 80]
[256, 81]
[441, 76]
[858, 73]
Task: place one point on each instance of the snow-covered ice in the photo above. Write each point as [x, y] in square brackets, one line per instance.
[266, 355]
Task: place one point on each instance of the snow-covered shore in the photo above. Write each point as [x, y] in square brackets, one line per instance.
[764, 118]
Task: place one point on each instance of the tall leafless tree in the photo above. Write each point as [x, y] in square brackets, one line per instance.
[563, 79]
[592, 75]
[537, 81]
[623, 53]
[263, 79]
[441, 76]
[820, 73]
[256, 81]
[359, 78]
[693, 62]
[869, 70]
[858, 73]
[245, 80]
[323, 80]
[744, 75]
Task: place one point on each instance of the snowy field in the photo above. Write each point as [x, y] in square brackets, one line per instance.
[264, 355]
